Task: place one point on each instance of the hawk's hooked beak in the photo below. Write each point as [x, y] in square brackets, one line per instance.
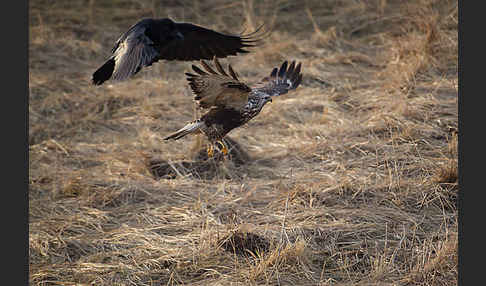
[269, 99]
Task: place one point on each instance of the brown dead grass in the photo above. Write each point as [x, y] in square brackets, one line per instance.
[351, 179]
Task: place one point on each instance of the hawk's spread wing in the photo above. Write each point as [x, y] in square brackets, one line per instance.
[217, 88]
[281, 80]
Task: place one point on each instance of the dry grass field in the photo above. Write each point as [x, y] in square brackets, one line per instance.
[351, 179]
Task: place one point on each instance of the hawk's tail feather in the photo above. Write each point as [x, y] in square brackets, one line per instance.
[188, 129]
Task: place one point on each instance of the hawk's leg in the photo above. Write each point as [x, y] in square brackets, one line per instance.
[224, 149]
[210, 150]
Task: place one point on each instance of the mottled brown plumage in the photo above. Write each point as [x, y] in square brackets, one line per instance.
[229, 102]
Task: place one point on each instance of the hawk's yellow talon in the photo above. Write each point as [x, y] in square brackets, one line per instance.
[224, 149]
[210, 151]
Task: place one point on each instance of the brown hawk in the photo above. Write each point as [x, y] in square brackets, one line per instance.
[150, 40]
[230, 102]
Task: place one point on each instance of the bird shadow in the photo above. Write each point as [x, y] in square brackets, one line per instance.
[202, 167]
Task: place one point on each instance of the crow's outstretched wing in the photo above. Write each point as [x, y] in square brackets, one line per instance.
[217, 88]
[135, 51]
[131, 52]
[196, 43]
[280, 81]
[150, 40]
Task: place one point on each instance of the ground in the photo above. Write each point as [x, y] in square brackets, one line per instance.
[351, 179]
